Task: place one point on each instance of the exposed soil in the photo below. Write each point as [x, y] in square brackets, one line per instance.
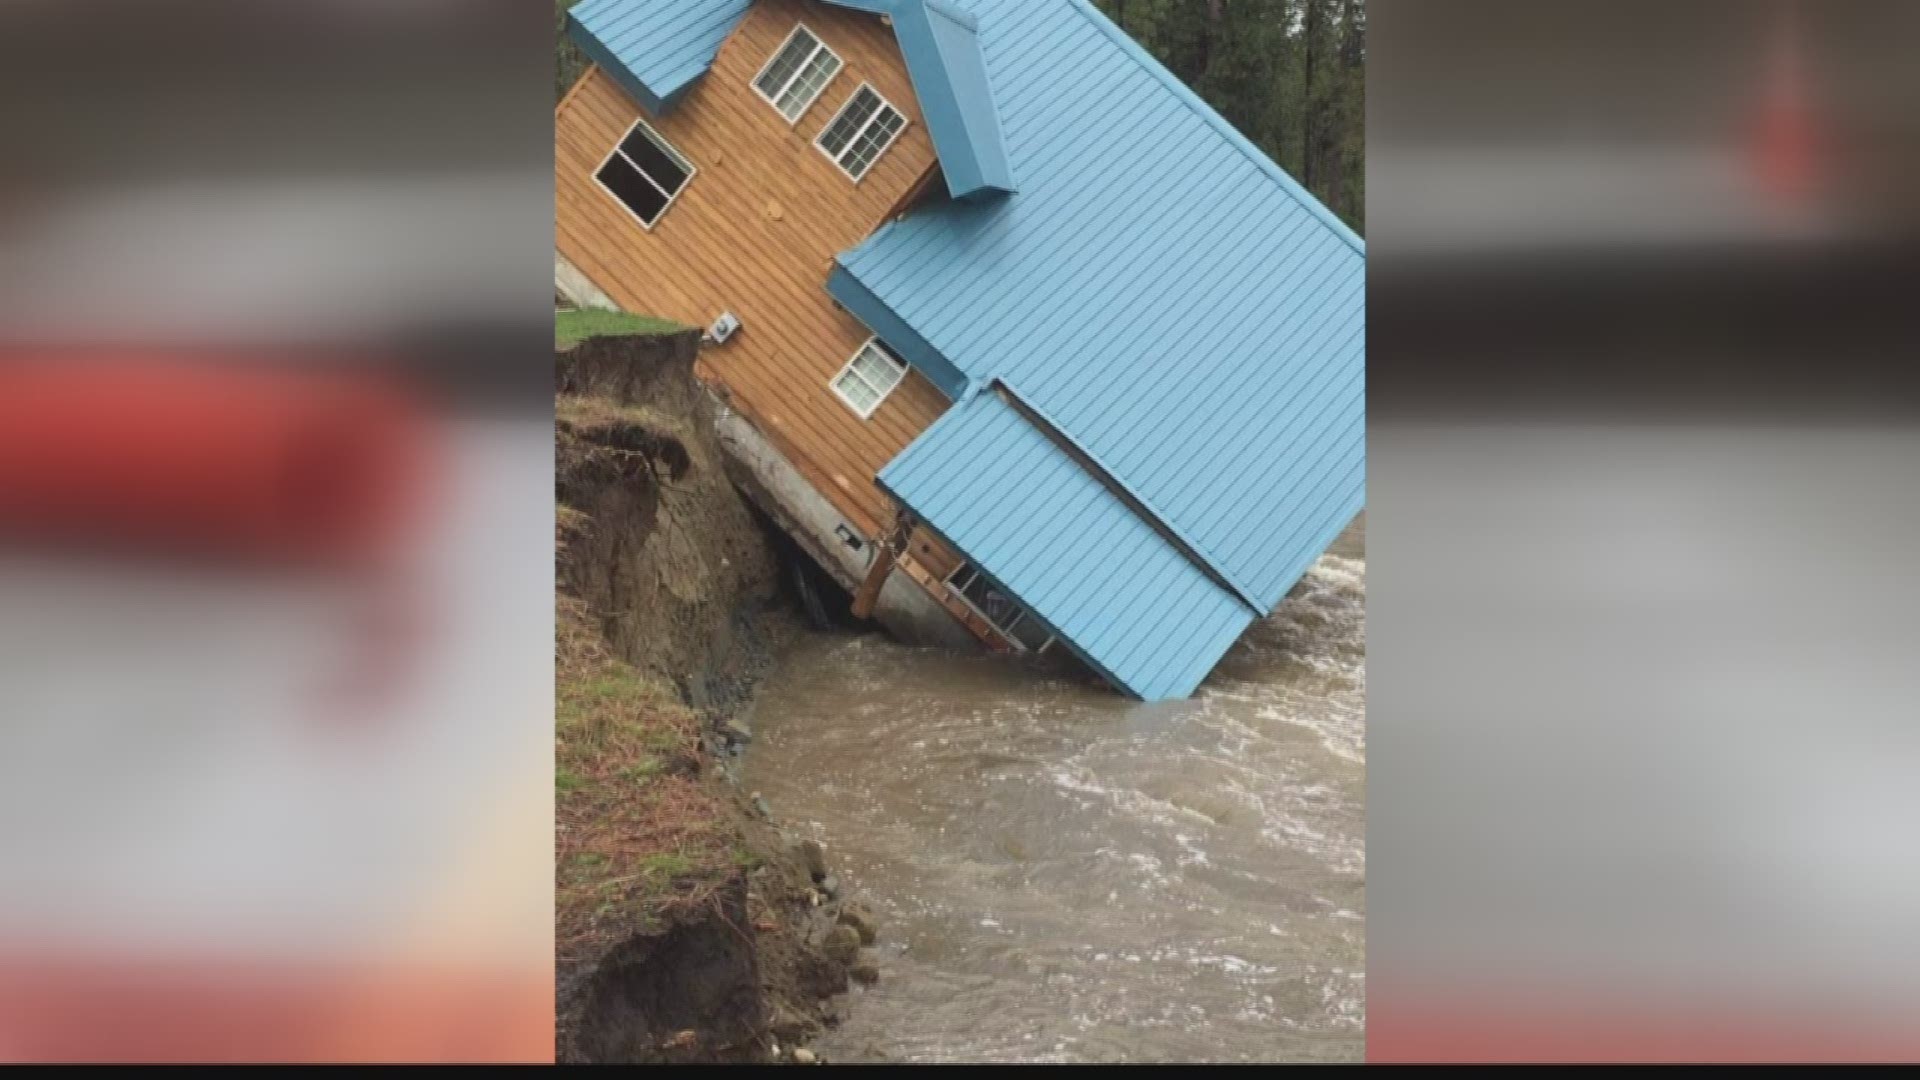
[688, 927]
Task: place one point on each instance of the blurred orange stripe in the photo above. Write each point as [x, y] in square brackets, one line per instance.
[1658, 1029]
[118, 1011]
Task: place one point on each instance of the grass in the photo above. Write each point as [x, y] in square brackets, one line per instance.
[637, 833]
[572, 327]
[586, 414]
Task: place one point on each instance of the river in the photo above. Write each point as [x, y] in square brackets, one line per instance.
[1063, 874]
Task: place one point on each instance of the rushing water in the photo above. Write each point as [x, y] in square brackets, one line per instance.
[1066, 875]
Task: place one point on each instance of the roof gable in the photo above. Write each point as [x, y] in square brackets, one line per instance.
[657, 49]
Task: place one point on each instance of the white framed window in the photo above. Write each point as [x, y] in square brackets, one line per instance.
[861, 131]
[869, 377]
[644, 174]
[793, 79]
[989, 603]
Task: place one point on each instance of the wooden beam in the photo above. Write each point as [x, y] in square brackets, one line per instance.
[868, 594]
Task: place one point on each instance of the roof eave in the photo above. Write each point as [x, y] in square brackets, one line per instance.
[602, 57]
[851, 293]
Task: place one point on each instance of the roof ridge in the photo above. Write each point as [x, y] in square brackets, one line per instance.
[1207, 563]
[953, 13]
[1219, 123]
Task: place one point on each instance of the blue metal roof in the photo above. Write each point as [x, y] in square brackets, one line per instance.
[658, 48]
[941, 43]
[1183, 321]
[1045, 530]
[1188, 317]
[654, 48]
[1166, 294]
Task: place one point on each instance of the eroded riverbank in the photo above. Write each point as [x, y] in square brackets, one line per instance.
[688, 927]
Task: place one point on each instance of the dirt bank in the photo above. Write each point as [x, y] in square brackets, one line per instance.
[688, 927]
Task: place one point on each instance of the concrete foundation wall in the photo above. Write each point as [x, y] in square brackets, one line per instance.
[909, 614]
[774, 485]
[569, 282]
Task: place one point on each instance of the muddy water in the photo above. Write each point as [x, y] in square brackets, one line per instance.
[1065, 875]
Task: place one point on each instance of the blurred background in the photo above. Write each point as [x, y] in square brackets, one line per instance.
[1643, 442]
[275, 530]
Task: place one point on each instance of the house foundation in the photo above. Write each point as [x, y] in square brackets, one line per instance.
[905, 606]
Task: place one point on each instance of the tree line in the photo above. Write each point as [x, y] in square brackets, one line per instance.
[1289, 74]
[568, 61]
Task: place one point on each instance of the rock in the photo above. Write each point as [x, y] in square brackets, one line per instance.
[681, 1040]
[789, 1025]
[831, 886]
[803, 1056]
[842, 944]
[865, 972]
[737, 732]
[815, 858]
[760, 805]
[862, 921]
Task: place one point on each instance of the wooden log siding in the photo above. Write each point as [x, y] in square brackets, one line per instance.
[755, 232]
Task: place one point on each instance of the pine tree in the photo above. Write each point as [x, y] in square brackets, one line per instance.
[569, 63]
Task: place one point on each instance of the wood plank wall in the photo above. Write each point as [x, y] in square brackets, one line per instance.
[755, 232]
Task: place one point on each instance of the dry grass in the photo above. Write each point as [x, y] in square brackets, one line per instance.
[588, 414]
[636, 833]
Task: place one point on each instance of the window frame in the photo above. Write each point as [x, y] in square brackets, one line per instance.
[819, 45]
[665, 147]
[847, 369]
[972, 573]
[853, 141]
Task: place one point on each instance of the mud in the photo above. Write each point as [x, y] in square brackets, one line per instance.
[678, 571]
[663, 566]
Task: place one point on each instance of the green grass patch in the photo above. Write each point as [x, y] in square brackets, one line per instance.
[636, 830]
[572, 327]
[645, 769]
[667, 864]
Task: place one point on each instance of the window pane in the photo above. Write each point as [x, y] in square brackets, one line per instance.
[876, 390]
[1029, 632]
[857, 392]
[873, 142]
[631, 188]
[666, 169]
[996, 606]
[859, 109]
[786, 62]
[878, 368]
[808, 86]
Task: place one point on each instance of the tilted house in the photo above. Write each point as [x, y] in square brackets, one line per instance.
[1047, 338]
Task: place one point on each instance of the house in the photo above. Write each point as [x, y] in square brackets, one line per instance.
[1030, 341]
